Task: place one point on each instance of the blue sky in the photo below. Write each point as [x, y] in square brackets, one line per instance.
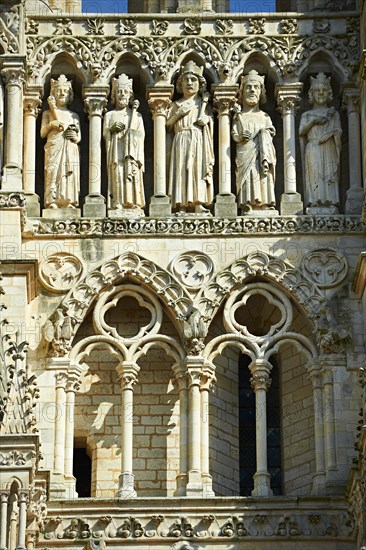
[120, 6]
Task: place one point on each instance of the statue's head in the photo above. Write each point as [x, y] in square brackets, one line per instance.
[122, 91]
[61, 90]
[252, 90]
[191, 71]
[320, 85]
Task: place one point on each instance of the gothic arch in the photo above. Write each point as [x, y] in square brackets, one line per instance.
[135, 59]
[282, 273]
[197, 48]
[49, 52]
[331, 49]
[78, 301]
[270, 54]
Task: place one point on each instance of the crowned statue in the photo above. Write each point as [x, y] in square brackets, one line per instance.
[61, 127]
[320, 141]
[253, 133]
[124, 136]
[192, 155]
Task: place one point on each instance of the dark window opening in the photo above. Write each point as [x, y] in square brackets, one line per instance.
[247, 433]
[82, 472]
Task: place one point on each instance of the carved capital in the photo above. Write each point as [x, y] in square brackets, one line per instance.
[224, 99]
[13, 74]
[316, 378]
[73, 383]
[194, 377]
[288, 98]
[260, 381]
[4, 497]
[127, 375]
[351, 101]
[95, 100]
[32, 105]
[159, 100]
[208, 378]
[23, 497]
[328, 376]
[61, 380]
[159, 106]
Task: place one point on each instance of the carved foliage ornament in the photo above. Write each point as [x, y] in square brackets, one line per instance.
[60, 272]
[9, 30]
[326, 267]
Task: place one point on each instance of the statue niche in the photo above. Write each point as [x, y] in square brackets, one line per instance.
[124, 135]
[61, 127]
[253, 133]
[192, 156]
[320, 141]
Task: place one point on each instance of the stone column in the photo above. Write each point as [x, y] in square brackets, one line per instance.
[355, 194]
[3, 519]
[329, 431]
[72, 385]
[32, 103]
[288, 99]
[194, 371]
[261, 382]
[319, 476]
[207, 380]
[13, 73]
[181, 377]
[159, 100]
[95, 99]
[60, 424]
[224, 100]
[22, 503]
[127, 374]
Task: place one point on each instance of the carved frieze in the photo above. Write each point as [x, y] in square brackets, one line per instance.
[196, 227]
[145, 527]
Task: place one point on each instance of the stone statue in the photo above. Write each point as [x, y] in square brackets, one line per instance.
[253, 133]
[61, 127]
[192, 155]
[320, 140]
[124, 135]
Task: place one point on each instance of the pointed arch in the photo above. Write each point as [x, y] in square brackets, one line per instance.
[135, 59]
[261, 48]
[71, 49]
[305, 293]
[79, 300]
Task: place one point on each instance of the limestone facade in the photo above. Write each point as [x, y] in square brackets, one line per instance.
[188, 378]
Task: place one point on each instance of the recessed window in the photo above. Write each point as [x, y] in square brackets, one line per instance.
[82, 472]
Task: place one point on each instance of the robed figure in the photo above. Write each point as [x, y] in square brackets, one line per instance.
[61, 127]
[192, 156]
[253, 133]
[320, 140]
[124, 135]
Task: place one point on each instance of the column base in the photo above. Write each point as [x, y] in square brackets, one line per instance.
[160, 206]
[194, 486]
[61, 213]
[126, 486]
[334, 485]
[291, 204]
[32, 205]
[94, 207]
[12, 179]
[58, 488]
[354, 200]
[135, 212]
[318, 484]
[262, 485]
[225, 206]
[207, 486]
[181, 481]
